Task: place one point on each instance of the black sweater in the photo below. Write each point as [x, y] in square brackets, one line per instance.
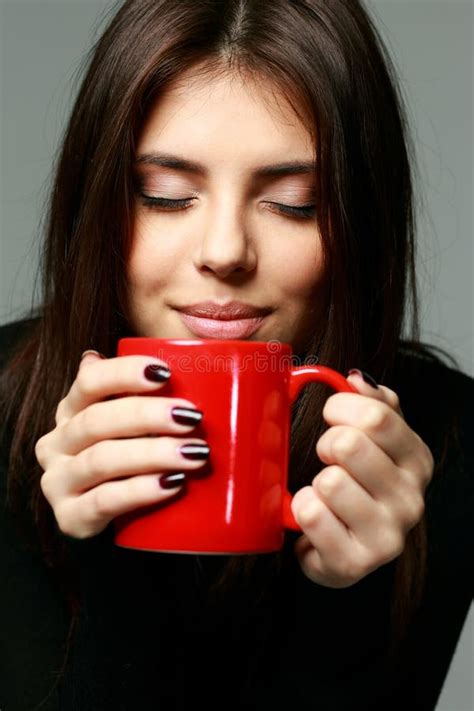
[149, 637]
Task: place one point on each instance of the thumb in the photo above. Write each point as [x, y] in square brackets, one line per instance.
[90, 356]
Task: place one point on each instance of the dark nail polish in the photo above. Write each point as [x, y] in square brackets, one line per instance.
[186, 415]
[368, 378]
[195, 451]
[157, 373]
[171, 481]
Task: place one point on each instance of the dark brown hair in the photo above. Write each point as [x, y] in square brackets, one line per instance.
[330, 62]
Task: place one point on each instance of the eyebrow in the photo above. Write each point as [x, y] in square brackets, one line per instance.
[167, 160]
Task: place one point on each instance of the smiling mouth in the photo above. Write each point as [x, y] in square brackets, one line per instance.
[220, 328]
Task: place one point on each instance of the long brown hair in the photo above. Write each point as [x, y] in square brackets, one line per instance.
[332, 65]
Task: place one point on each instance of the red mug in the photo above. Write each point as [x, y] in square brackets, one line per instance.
[237, 502]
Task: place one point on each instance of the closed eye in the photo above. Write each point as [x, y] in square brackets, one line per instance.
[168, 205]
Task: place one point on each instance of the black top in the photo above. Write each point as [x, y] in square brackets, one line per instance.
[148, 637]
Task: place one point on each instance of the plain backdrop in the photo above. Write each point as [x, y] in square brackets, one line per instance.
[431, 41]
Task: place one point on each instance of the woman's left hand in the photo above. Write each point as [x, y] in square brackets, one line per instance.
[356, 514]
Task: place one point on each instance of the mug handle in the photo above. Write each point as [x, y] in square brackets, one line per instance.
[299, 377]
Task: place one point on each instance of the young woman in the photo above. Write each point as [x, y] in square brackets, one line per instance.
[251, 152]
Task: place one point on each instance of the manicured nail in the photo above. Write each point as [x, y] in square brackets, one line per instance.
[157, 373]
[368, 378]
[186, 415]
[195, 451]
[172, 481]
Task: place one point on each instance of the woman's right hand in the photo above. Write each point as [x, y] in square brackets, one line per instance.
[105, 456]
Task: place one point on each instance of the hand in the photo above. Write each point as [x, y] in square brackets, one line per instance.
[96, 464]
[359, 509]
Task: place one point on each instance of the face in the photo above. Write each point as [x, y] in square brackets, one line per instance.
[224, 229]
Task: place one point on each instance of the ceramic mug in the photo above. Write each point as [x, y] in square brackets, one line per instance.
[238, 501]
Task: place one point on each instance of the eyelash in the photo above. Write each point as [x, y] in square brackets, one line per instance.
[157, 203]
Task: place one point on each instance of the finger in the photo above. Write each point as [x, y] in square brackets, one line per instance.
[377, 391]
[91, 354]
[98, 379]
[124, 417]
[324, 532]
[392, 399]
[357, 453]
[383, 425]
[374, 526]
[87, 515]
[122, 458]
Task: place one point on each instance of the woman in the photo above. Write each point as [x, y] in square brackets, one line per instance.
[222, 151]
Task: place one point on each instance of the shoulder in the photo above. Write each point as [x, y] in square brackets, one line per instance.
[437, 402]
[436, 398]
[12, 334]
[33, 611]
[422, 366]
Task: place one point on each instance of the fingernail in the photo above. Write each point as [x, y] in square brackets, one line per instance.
[195, 451]
[368, 378]
[186, 415]
[172, 481]
[157, 373]
[92, 351]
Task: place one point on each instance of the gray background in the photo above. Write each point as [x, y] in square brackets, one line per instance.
[42, 43]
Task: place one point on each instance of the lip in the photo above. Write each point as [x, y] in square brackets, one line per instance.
[230, 311]
[233, 319]
[221, 328]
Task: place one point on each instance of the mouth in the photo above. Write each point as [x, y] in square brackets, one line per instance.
[233, 319]
[221, 328]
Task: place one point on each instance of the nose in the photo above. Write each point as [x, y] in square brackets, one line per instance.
[226, 246]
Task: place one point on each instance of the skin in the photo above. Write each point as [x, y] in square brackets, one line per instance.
[231, 243]
[358, 510]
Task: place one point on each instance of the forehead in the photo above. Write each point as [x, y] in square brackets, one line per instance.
[225, 117]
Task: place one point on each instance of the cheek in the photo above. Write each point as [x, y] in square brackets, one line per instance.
[151, 261]
[303, 272]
